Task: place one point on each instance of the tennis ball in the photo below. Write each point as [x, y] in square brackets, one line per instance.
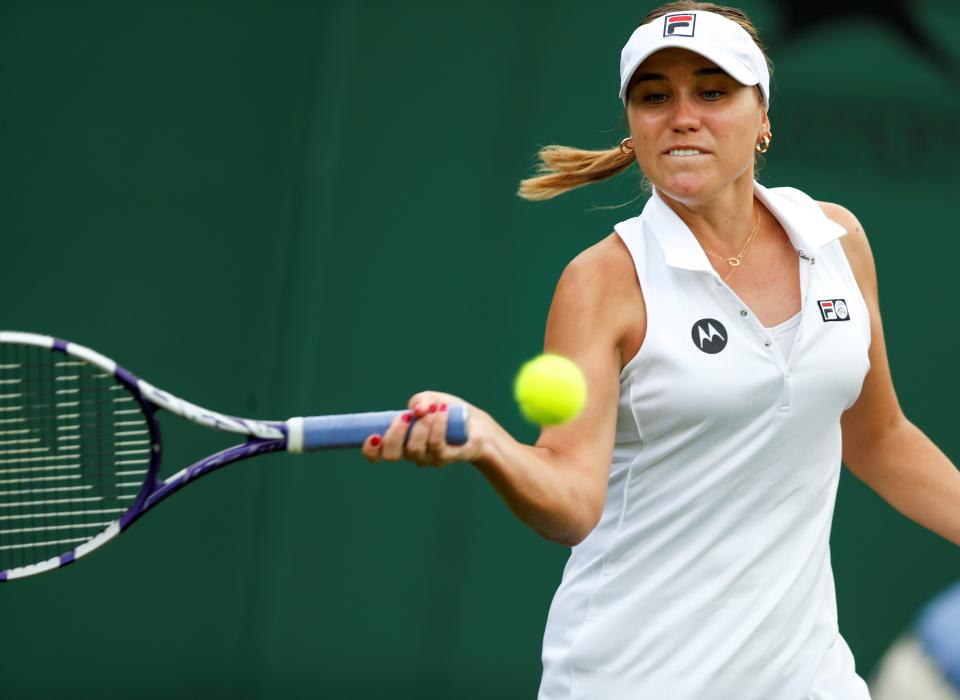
[550, 389]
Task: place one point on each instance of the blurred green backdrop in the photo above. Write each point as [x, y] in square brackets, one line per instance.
[279, 208]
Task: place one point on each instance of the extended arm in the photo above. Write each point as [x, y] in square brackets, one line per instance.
[880, 445]
[557, 486]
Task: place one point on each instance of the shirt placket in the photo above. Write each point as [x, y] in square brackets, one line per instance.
[760, 333]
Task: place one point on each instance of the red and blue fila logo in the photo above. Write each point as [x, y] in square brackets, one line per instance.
[679, 24]
[834, 310]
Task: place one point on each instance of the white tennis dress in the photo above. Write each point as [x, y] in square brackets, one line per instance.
[708, 576]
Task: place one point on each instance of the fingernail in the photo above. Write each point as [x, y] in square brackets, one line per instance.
[375, 440]
[406, 417]
[443, 407]
[433, 408]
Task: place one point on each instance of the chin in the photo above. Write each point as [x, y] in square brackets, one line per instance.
[685, 188]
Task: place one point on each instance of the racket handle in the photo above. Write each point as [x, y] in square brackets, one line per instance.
[352, 429]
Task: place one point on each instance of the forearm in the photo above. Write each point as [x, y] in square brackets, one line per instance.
[914, 476]
[549, 496]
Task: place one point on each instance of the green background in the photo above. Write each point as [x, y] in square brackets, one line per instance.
[279, 208]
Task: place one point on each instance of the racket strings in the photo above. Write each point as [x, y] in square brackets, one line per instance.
[74, 451]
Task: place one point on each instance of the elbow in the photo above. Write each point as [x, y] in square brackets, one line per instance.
[571, 540]
[577, 504]
[577, 529]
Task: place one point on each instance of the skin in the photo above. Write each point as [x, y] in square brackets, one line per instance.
[598, 319]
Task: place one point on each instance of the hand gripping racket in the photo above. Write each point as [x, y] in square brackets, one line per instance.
[80, 448]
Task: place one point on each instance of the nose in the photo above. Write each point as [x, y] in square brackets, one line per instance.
[685, 115]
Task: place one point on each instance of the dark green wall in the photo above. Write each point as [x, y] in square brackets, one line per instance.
[279, 208]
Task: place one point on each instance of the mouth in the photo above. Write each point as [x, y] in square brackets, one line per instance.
[685, 152]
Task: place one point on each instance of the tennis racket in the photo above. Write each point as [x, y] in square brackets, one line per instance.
[80, 448]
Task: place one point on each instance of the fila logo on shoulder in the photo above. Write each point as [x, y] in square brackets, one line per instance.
[834, 310]
[709, 335]
[681, 24]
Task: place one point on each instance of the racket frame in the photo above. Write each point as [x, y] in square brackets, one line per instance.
[262, 437]
[295, 435]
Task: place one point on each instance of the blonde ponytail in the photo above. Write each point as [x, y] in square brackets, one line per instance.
[563, 168]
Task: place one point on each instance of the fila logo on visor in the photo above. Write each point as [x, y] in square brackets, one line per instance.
[679, 24]
[709, 335]
[834, 310]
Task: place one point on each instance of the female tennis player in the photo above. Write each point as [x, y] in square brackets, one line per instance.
[730, 336]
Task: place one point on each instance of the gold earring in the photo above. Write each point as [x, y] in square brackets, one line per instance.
[624, 148]
[763, 145]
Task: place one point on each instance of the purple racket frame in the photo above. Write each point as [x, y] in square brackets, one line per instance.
[300, 434]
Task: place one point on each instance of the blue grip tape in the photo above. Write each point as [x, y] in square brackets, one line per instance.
[352, 429]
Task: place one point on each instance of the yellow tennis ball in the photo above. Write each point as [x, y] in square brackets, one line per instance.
[550, 389]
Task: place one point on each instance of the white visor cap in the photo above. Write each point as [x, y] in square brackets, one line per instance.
[713, 36]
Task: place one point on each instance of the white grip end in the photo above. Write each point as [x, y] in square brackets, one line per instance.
[295, 435]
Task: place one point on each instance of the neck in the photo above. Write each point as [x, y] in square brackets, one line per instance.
[721, 223]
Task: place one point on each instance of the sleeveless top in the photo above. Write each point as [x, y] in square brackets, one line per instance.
[708, 576]
[784, 333]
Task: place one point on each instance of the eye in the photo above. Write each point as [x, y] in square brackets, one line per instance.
[653, 98]
[712, 94]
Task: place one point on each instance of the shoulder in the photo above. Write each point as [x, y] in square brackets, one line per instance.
[600, 264]
[855, 243]
[843, 216]
[600, 284]
[601, 272]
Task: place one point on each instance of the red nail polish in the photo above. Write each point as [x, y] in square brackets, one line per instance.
[443, 407]
[406, 417]
[375, 440]
[433, 408]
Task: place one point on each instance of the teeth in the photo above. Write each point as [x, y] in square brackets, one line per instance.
[684, 152]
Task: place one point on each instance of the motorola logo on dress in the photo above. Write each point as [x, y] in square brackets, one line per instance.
[709, 335]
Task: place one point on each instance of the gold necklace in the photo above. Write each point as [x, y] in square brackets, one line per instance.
[734, 262]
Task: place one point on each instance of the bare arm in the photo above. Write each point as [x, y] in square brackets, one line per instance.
[880, 446]
[557, 486]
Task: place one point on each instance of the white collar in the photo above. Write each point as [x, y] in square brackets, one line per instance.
[801, 217]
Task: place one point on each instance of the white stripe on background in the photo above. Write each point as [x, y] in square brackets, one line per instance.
[86, 499]
[21, 460]
[59, 477]
[72, 540]
[31, 470]
[67, 514]
[19, 530]
[51, 489]
[19, 442]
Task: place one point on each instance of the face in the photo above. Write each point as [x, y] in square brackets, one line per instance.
[681, 100]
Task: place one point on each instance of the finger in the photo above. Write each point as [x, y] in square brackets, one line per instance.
[420, 403]
[371, 448]
[416, 448]
[393, 438]
[437, 440]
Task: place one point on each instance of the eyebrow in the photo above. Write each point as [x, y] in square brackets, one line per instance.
[642, 77]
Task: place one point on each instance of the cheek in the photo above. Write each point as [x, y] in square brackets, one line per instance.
[736, 133]
[645, 140]
[735, 142]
